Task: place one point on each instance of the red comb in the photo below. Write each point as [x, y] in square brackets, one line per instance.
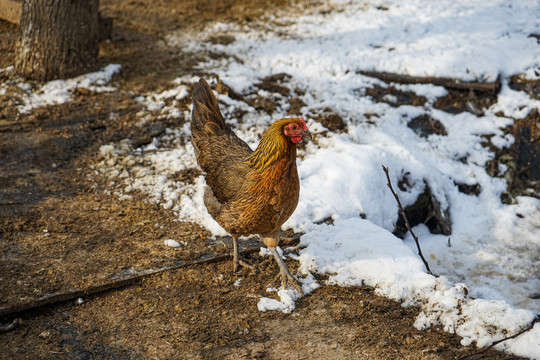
[303, 122]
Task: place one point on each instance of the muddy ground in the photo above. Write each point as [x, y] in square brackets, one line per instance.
[62, 232]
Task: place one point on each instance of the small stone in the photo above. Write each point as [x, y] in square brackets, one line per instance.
[45, 334]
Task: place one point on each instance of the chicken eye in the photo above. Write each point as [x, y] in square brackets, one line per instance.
[294, 127]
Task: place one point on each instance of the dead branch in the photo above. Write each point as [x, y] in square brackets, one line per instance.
[11, 326]
[490, 87]
[17, 309]
[504, 339]
[402, 212]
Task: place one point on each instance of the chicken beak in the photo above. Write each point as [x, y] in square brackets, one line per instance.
[307, 135]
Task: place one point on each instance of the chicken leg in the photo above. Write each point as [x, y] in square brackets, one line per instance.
[286, 276]
[237, 260]
[271, 243]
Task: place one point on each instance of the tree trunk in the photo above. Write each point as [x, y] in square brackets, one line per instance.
[57, 38]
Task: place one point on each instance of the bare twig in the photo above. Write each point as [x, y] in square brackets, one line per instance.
[402, 212]
[94, 290]
[504, 339]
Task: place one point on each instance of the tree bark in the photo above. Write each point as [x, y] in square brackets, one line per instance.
[57, 38]
[10, 10]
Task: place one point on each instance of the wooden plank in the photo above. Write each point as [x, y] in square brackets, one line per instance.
[490, 87]
[10, 11]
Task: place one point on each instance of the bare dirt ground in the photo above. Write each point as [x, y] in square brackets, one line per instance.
[60, 232]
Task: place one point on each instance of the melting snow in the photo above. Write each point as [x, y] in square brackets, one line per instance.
[489, 283]
[59, 91]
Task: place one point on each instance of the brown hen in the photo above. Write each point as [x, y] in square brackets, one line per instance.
[248, 192]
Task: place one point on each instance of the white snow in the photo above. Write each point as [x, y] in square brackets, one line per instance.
[172, 243]
[286, 302]
[287, 297]
[57, 92]
[154, 102]
[489, 267]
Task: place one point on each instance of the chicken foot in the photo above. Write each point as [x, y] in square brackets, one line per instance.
[286, 276]
[237, 260]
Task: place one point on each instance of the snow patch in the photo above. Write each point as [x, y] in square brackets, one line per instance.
[60, 91]
[489, 266]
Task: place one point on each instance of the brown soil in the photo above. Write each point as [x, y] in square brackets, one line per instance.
[61, 230]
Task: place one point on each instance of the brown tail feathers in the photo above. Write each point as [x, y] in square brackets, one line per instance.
[206, 119]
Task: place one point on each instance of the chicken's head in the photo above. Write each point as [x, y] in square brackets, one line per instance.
[296, 130]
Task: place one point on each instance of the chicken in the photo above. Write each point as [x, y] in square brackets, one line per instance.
[248, 192]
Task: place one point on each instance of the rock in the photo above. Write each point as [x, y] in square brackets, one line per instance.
[425, 125]
[427, 210]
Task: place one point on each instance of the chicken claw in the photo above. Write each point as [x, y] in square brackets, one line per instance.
[237, 260]
[286, 276]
